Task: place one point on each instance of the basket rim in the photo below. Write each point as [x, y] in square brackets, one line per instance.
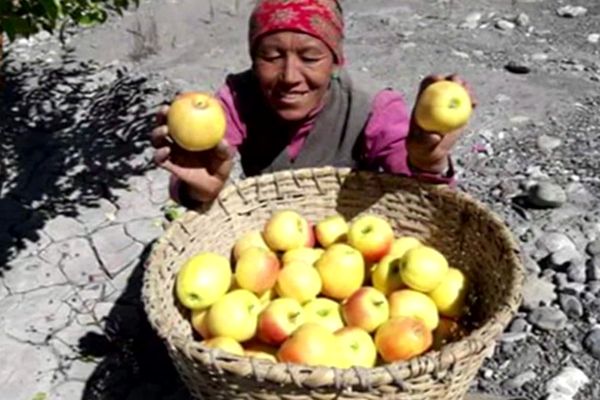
[481, 339]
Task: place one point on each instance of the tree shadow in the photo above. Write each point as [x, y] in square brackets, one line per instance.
[135, 363]
[70, 131]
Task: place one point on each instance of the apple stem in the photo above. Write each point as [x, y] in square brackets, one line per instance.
[201, 104]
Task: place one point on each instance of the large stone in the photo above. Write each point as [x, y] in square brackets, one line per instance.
[94, 217]
[67, 390]
[115, 248]
[547, 195]
[134, 205]
[547, 318]
[551, 242]
[61, 228]
[32, 273]
[537, 292]
[77, 260]
[566, 384]
[144, 230]
[39, 314]
[26, 370]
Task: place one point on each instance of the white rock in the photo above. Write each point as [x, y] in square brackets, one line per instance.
[571, 11]
[566, 384]
[593, 38]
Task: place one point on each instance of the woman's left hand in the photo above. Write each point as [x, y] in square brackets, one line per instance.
[430, 151]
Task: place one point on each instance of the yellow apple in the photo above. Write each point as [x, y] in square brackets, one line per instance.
[252, 238]
[404, 243]
[325, 312]
[202, 280]
[311, 344]
[332, 229]
[309, 255]
[235, 315]
[385, 274]
[261, 351]
[266, 297]
[402, 338]
[410, 303]
[443, 107]
[200, 322]
[450, 295]
[357, 347]
[286, 230]
[196, 121]
[279, 319]
[342, 271]
[367, 308]
[372, 235]
[226, 344]
[298, 280]
[423, 268]
[257, 270]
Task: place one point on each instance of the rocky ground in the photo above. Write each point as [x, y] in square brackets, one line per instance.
[81, 203]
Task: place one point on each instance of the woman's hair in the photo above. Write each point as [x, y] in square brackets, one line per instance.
[323, 19]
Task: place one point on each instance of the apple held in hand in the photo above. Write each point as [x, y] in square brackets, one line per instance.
[423, 268]
[257, 270]
[248, 240]
[310, 344]
[279, 319]
[443, 107]
[410, 303]
[385, 274]
[357, 348]
[235, 315]
[298, 280]
[196, 121]
[286, 230]
[450, 295]
[367, 308]
[342, 271]
[372, 235]
[226, 344]
[332, 229]
[202, 280]
[325, 312]
[402, 338]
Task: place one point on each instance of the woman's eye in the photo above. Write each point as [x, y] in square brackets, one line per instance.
[270, 57]
[310, 59]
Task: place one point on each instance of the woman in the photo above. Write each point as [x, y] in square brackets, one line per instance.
[298, 107]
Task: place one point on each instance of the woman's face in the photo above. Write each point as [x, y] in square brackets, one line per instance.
[294, 70]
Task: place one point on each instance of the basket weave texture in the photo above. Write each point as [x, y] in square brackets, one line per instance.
[471, 237]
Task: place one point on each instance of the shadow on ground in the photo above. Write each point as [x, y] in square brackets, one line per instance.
[70, 131]
[134, 362]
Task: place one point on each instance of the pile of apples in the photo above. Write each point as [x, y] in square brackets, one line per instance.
[337, 293]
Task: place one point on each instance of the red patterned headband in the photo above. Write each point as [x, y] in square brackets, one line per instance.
[322, 19]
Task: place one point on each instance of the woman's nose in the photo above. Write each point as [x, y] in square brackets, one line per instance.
[291, 72]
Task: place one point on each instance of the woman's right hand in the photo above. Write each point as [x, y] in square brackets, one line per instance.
[204, 173]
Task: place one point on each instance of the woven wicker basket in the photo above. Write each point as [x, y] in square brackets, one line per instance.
[472, 238]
